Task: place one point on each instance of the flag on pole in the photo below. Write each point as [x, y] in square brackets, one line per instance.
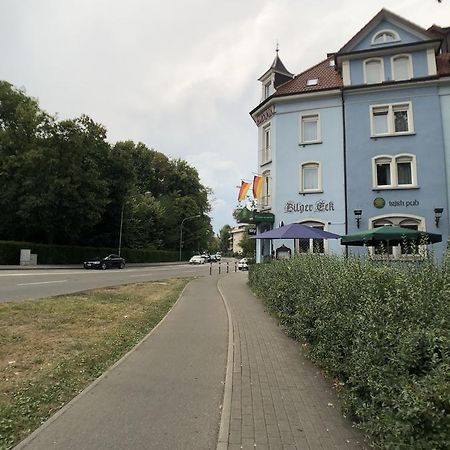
[243, 190]
[257, 186]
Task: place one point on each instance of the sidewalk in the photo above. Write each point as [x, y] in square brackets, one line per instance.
[279, 399]
[168, 392]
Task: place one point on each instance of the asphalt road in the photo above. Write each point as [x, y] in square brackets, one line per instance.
[33, 284]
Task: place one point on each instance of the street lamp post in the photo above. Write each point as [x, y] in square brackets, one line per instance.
[121, 226]
[181, 230]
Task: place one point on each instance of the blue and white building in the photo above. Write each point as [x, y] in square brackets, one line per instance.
[360, 140]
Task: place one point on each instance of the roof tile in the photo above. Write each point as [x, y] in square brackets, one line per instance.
[327, 76]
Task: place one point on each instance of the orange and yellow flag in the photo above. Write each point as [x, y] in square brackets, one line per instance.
[257, 186]
[243, 190]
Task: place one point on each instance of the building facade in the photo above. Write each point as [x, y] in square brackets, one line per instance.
[361, 139]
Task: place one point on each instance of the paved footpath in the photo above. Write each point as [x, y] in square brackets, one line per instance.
[168, 392]
[279, 400]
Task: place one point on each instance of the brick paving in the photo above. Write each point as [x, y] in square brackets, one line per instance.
[279, 399]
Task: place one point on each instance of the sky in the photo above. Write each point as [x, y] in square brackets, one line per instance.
[179, 75]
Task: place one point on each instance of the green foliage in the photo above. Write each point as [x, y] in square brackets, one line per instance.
[63, 183]
[63, 254]
[382, 331]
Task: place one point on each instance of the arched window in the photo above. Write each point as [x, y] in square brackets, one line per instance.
[401, 67]
[394, 172]
[311, 245]
[373, 71]
[385, 37]
[310, 177]
[407, 221]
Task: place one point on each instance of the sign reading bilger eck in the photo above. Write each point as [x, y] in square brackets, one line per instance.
[265, 115]
[320, 206]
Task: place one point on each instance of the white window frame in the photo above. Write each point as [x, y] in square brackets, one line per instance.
[386, 31]
[266, 144]
[391, 119]
[393, 161]
[310, 117]
[319, 188]
[397, 219]
[367, 61]
[410, 66]
[267, 88]
[312, 223]
[266, 195]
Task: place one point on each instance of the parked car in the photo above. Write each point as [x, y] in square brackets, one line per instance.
[213, 258]
[242, 264]
[206, 257]
[218, 256]
[197, 259]
[105, 263]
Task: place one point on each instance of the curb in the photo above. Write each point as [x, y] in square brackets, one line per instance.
[224, 430]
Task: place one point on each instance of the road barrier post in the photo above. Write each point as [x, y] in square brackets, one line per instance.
[227, 267]
[210, 268]
[219, 267]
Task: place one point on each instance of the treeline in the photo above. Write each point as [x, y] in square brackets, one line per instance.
[63, 183]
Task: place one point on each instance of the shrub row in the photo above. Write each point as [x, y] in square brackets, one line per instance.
[60, 254]
[381, 331]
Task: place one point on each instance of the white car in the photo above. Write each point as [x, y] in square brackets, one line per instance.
[242, 264]
[197, 259]
[218, 256]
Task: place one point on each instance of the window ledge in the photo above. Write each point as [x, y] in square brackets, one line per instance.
[405, 133]
[304, 144]
[394, 188]
[319, 191]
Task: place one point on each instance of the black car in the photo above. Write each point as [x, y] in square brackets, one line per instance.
[105, 263]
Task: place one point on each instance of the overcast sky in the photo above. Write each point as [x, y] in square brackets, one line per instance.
[178, 75]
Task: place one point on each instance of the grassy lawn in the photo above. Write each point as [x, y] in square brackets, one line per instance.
[51, 349]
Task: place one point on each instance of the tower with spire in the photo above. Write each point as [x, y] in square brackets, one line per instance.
[276, 75]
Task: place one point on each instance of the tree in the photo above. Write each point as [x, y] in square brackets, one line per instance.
[224, 238]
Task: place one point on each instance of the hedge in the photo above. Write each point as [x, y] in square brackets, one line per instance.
[60, 254]
[380, 331]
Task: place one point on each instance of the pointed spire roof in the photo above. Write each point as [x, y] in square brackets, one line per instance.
[277, 67]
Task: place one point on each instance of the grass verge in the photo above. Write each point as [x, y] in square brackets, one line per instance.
[51, 349]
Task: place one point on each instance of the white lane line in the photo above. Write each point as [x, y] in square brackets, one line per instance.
[86, 272]
[41, 282]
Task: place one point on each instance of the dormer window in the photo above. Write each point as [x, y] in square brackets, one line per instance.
[312, 82]
[385, 37]
[373, 71]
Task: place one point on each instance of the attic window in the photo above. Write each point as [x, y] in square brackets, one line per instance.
[332, 64]
[312, 82]
[385, 37]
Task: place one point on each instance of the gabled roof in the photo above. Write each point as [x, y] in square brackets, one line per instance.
[327, 78]
[278, 67]
[384, 14]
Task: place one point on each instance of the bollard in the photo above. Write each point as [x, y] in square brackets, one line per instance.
[210, 268]
[227, 267]
[219, 267]
[235, 266]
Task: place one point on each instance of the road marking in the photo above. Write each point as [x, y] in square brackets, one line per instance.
[41, 282]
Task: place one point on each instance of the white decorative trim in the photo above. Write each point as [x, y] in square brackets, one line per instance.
[410, 66]
[266, 148]
[346, 73]
[310, 117]
[393, 160]
[390, 119]
[378, 33]
[319, 177]
[367, 61]
[431, 60]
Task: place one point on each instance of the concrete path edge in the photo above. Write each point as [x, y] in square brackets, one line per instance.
[224, 430]
[85, 391]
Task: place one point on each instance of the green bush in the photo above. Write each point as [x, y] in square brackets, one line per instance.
[382, 331]
[60, 254]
